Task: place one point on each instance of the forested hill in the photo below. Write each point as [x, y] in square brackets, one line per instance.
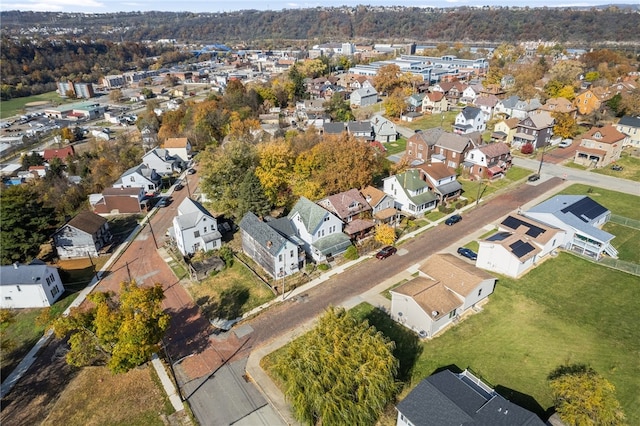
[341, 24]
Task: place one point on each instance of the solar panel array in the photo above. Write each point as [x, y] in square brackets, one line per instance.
[521, 248]
[514, 223]
[499, 236]
[585, 209]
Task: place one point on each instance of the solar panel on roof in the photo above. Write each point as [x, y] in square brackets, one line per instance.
[514, 223]
[585, 209]
[499, 236]
[521, 248]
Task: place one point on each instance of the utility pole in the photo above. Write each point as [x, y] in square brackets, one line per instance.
[542, 157]
[153, 234]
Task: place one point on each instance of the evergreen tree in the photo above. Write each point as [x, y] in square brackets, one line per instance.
[251, 197]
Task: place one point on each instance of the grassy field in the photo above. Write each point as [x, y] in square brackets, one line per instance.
[627, 241]
[619, 203]
[17, 106]
[472, 188]
[98, 397]
[430, 121]
[230, 293]
[396, 147]
[630, 164]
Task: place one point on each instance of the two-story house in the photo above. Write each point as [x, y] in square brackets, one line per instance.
[442, 181]
[35, 285]
[630, 126]
[140, 176]
[592, 99]
[470, 119]
[179, 147]
[560, 105]
[487, 104]
[195, 229]
[505, 130]
[382, 205]
[165, 164]
[488, 161]
[420, 145]
[352, 209]
[513, 106]
[410, 192]
[600, 147]
[536, 130]
[471, 93]
[435, 103]
[384, 130]
[83, 236]
[451, 148]
[414, 102]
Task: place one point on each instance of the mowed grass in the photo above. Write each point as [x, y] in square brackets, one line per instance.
[471, 189]
[98, 397]
[630, 164]
[17, 106]
[230, 293]
[627, 241]
[619, 203]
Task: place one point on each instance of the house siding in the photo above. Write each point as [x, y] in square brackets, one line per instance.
[40, 294]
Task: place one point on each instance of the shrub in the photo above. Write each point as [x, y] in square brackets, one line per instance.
[527, 149]
[351, 253]
[226, 254]
[323, 267]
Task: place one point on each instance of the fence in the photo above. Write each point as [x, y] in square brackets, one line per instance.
[621, 220]
[621, 265]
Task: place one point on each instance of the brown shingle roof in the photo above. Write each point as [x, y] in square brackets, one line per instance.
[607, 134]
[437, 170]
[345, 204]
[494, 150]
[432, 296]
[455, 273]
[372, 195]
[176, 143]
[88, 222]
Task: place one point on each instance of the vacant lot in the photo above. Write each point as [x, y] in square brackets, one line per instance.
[98, 397]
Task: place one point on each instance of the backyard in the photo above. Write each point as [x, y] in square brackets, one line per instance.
[619, 203]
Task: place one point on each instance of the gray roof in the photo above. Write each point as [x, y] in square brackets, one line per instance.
[262, 233]
[190, 212]
[310, 213]
[334, 128]
[470, 113]
[334, 243]
[429, 136]
[627, 120]
[511, 101]
[359, 126]
[448, 399]
[454, 142]
[448, 188]
[23, 274]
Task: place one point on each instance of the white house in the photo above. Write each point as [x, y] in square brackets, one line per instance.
[514, 107]
[277, 255]
[471, 93]
[83, 236]
[470, 119]
[140, 176]
[364, 97]
[410, 192]
[384, 130]
[319, 230]
[487, 105]
[630, 126]
[36, 285]
[160, 160]
[180, 147]
[446, 287]
[517, 246]
[194, 229]
[582, 219]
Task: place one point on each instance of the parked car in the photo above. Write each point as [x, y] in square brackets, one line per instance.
[565, 143]
[191, 171]
[386, 252]
[452, 220]
[164, 202]
[178, 186]
[533, 178]
[468, 253]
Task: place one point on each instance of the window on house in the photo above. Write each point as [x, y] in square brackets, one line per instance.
[280, 258]
[205, 230]
[326, 218]
[7, 298]
[53, 279]
[453, 154]
[18, 287]
[291, 254]
[452, 314]
[196, 234]
[132, 179]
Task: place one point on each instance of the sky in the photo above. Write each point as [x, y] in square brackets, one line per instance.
[108, 6]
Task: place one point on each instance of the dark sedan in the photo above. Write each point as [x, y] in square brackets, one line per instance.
[468, 253]
[386, 252]
[452, 220]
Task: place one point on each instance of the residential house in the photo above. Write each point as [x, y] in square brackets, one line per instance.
[447, 398]
[384, 130]
[442, 180]
[319, 230]
[513, 106]
[333, 128]
[536, 130]
[435, 103]
[592, 99]
[195, 229]
[505, 130]
[518, 245]
[451, 148]
[487, 104]
[165, 164]
[382, 205]
[140, 176]
[420, 145]
[600, 147]
[363, 97]
[59, 153]
[179, 147]
[560, 105]
[471, 93]
[414, 102]
[452, 90]
[446, 287]
[488, 161]
[149, 137]
[630, 126]
[410, 192]
[470, 119]
[360, 129]
[277, 255]
[119, 201]
[38, 171]
[83, 236]
[352, 209]
[582, 219]
[35, 285]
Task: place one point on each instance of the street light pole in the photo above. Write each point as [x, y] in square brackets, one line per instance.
[542, 158]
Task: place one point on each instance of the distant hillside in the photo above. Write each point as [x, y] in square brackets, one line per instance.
[619, 23]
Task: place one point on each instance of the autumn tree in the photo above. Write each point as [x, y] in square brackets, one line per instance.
[122, 331]
[115, 95]
[274, 170]
[338, 108]
[341, 372]
[583, 397]
[312, 68]
[566, 126]
[385, 234]
[387, 79]
[630, 103]
[395, 104]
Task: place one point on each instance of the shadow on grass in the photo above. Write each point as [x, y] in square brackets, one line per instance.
[228, 306]
[408, 347]
[13, 355]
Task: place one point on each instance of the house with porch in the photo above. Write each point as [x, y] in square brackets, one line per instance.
[630, 127]
[384, 130]
[442, 181]
[414, 102]
[536, 130]
[140, 176]
[513, 106]
[420, 145]
[277, 255]
[488, 161]
[518, 245]
[505, 130]
[353, 210]
[36, 285]
[165, 164]
[470, 119]
[360, 129]
[487, 104]
[592, 99]
[179, 147]
[560, 105]
[582, 219]
[451, 148]
[410, 192]
[471, 93]
[447, 398]
[446, 287]
[600, 147]
[83, 236]
[194, 229]
[434, 103]
[382, 205]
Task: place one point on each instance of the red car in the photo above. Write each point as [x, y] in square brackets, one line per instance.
[386, 252]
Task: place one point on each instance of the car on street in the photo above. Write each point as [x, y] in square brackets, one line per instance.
[452, 220]
[164, 202]
[191, 171]
[565, 143]
[533, 178]
[468, 253]
[386, 252]
[178, 186]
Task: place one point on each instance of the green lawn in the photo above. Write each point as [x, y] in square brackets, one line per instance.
[619, 203]
[627, 241]
[396, 147]
[17, 106]
[471, 189]
[430, 121]
[630, 164]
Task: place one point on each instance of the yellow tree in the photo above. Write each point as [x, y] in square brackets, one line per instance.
[566, 126]
[385, 234]
[274, 170]
[387, 78]
[395, 104]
